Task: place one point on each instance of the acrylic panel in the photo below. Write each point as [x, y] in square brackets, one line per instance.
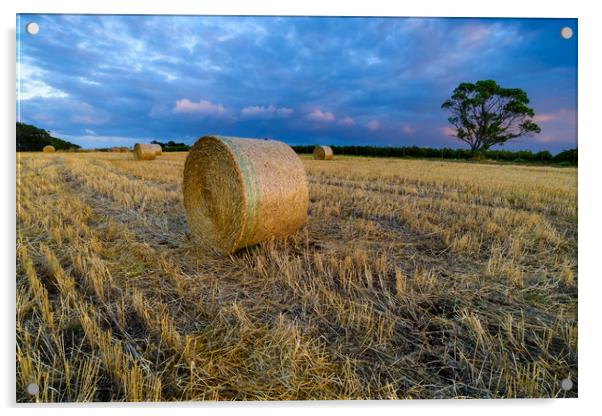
[295, 208]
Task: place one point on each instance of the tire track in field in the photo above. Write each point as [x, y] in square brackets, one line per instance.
[152, 211]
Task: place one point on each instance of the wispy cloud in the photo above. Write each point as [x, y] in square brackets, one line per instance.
[347, 121]
[320, 116]
[373, 125]
[448, 131]
[567, 116]
[203, 107]
[261, 112]
[39, 89]
[32, 84]
[86, 114]
[408, 128]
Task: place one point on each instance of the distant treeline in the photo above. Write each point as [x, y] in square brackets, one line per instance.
[568, 157]
[33, 139]
[169, 146]
[172, 146]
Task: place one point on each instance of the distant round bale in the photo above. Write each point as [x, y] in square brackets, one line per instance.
[323, 153]
[158, 149]
[115, 149]
[123, 149]
[239, 192]
[48, 149]
[144, 151]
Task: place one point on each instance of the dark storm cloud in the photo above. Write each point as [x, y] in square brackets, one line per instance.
[103, 80]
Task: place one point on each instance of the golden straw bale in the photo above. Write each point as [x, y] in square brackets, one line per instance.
[239, 192]
[323, 153]
[158, 149]
[48, 149]
[124, 149]
[144, 151]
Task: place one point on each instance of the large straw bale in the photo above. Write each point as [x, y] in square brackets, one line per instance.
[48, 149]
[158, 149]
[239, 192]
[323, 153]
[144, 151]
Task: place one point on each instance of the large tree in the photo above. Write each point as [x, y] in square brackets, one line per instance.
[485, 114]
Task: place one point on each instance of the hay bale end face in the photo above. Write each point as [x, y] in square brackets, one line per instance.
[48, 149]
[323, 153]
[158, 149]
[239, 192]
[144, 151]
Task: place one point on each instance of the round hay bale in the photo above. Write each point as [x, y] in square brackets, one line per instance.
[323, 153]
[239, 192]
[115, 149]
[144, 151]
[158, 149]
[48, 149]
[124, 149]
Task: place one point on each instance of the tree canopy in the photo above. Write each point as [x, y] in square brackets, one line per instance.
[31, 138]
[486, 114]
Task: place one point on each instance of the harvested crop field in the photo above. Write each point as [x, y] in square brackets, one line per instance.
[411, 279]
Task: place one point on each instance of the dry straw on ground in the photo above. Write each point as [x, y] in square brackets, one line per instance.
[48, 149]
[323, 153]
[413, 279]
[158, 149]
[144, 151]
[239, 192]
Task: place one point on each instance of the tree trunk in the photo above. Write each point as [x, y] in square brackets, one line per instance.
[473, 151]
[476, 153]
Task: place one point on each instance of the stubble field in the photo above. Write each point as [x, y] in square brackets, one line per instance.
[411, 279]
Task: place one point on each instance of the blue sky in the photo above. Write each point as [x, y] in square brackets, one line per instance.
[114, 80]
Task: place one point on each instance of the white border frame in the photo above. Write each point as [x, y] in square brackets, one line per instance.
[590, 146]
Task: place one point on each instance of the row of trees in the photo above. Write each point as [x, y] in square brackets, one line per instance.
[172, 146]
[569, 156]
[169, 146]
